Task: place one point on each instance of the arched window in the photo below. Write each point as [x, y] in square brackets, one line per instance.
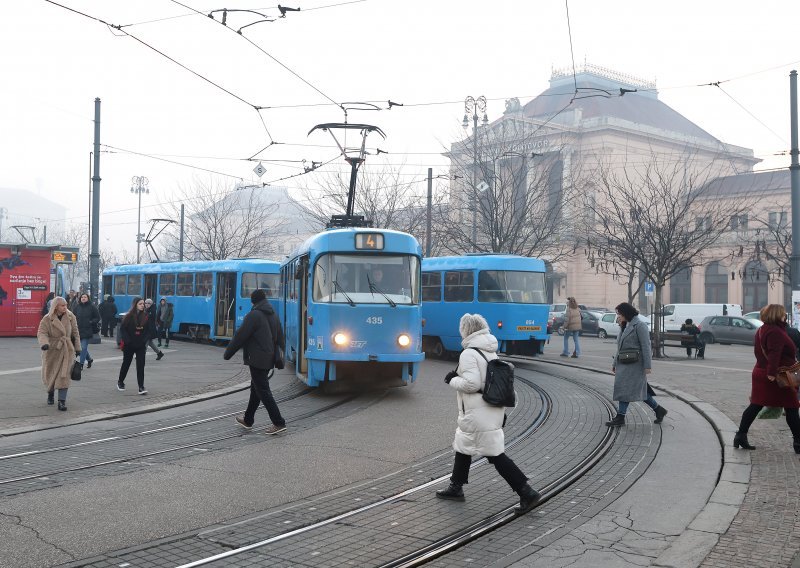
[754, 286]
[716, 284]
[680, 287]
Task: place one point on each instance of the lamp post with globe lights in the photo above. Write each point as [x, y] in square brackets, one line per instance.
[139, 185]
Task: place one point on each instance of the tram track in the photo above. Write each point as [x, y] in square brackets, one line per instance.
[9, 462]
[454, 539]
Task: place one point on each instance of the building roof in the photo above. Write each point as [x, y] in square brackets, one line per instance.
[750, 183]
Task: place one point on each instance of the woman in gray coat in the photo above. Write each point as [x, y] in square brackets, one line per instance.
[630, 378]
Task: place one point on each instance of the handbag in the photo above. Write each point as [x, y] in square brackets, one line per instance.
[628, 356]
[280, 361]
[788, 377]
[75, 375]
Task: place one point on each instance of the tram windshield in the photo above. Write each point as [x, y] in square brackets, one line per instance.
[366, 279]
[511, 287]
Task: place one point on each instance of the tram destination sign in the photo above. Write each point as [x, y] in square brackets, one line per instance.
[369, 241]
[68, 257]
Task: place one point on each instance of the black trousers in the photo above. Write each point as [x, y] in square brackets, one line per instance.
[127, 358]
[507, 469]
[751, 412]
[107, 327]
[261, 393]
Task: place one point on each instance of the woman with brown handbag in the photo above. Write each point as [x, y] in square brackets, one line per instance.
[773, 349]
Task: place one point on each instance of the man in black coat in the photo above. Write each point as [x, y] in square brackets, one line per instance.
[108, 316]
[260, 335]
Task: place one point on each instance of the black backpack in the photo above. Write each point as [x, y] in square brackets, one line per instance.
[498, 389]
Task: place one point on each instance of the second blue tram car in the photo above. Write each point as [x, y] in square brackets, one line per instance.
[352, 306]
[508, 290]
[210, 297]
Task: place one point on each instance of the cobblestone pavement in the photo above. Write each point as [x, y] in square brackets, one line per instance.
[766, 531]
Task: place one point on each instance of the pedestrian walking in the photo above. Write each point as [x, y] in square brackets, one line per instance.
[88, 319]
[632, 364]
[152, 318]
[72, 301]
[480, 425]
[259, 336]
[773, 349]
[59, 340]
[134, 333]
[164, 317]
[47, 303]
[108, 316]
[690, 328]
[572, 328]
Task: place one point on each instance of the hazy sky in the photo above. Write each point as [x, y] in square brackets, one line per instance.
[428, 55]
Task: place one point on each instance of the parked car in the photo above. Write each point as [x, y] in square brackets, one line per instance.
[753, 315]
[608, 326]
[728, 329]
[557, 311]
[676, 314]
[589, 323]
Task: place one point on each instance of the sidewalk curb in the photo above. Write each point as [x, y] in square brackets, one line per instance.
[697, 540]
[183, 401]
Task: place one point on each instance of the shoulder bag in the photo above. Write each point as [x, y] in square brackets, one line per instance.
[787, 377]
[628, 356]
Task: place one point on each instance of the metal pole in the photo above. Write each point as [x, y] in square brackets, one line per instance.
[139, 227]
[94, 256]
[180, 250]
[430, 208]
[475, 180]
[794, 170]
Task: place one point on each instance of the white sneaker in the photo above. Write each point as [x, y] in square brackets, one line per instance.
[142, 390]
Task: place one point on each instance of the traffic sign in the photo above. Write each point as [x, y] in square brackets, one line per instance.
[260, 170]
[649, 288]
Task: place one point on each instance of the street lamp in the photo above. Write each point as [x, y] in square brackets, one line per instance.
[139, 185]
[474, 106]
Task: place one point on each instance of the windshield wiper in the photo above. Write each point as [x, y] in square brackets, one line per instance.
[373, 288]
[340, 289]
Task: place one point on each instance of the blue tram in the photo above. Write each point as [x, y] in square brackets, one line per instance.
[352, 306]
[210, 297]
[508, 290]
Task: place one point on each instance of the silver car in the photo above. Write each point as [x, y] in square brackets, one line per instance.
[728, 329]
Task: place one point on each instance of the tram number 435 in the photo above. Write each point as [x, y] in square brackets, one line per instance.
[375, 320]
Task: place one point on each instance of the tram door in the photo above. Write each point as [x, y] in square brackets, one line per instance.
[302, 302]
[151, 287]
[225, 311]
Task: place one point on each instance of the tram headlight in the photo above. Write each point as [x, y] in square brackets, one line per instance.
[340, 339]
[403, 340]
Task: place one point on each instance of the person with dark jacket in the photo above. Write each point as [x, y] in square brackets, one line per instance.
[164, 316]
[108, 316]
[88, 317]
[773, 349]
[259, 335]
[689, 328]
[152, 315]
[134, 333]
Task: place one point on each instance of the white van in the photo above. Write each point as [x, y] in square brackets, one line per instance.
[676, 314]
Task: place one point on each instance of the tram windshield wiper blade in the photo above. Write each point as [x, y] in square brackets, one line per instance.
[339, 287]
[373, 288]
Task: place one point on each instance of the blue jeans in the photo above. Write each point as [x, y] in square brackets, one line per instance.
[85, 350]
[574, 335]
[623, 406]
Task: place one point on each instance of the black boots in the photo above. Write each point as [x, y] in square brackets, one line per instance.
[528, 498]
[159, 356]
[62, 405]
[619, 420]
[741, 440]
[661, 412]
[796, 445]
[453, 493]
[89, 363]
[50, 399]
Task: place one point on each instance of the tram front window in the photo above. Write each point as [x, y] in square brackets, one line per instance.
[511, 286]
[362, 279]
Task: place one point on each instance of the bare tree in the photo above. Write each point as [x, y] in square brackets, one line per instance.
[771, 240]
[658, 218]
[507, 197]
[222, 222]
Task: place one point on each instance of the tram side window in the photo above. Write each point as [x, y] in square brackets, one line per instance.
[185, 284]
[205, 284]
[491, 286]
[431, 286]
[120, 285]
[458, 286]
[167, 285]
[134, 284]
[251, 281]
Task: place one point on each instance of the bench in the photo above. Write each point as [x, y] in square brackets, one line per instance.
[679, 339]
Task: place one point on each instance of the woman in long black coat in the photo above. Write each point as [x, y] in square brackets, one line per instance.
[88, 317]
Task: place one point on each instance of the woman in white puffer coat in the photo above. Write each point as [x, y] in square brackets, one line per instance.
[480, 425]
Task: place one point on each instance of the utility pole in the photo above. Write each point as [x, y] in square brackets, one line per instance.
[94, 255]
[180, 249]
[474, 106]
[139, 185]
[794, 171]
[430, 213]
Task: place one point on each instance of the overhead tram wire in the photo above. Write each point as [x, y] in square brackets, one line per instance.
[717, 85]
[571, 51]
